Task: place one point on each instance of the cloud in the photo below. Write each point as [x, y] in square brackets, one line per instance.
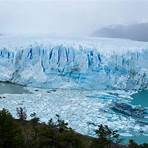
[138, 32]
[68, 17]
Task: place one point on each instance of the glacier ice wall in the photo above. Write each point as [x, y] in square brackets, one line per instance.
[89, 64]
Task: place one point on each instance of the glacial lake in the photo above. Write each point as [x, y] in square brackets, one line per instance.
[9, 88]
[140, 98]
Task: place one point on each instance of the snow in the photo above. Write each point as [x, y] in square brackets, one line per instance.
[89, 63]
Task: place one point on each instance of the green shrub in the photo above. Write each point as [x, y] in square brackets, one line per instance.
[10, 132]
[21, 113]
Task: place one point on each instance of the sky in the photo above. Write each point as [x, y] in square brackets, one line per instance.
[68, 17]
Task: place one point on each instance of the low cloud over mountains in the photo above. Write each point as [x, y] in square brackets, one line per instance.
[138, 32]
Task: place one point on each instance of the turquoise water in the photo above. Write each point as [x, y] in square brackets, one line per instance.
[140, 98]
[140, 139]
[9, 88]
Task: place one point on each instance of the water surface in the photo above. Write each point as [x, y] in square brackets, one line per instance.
[77, 107]
[9, 88]
[140, 98]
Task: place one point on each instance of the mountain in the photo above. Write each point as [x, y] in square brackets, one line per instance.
[138, 32]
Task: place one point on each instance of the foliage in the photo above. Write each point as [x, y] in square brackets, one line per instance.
[61, 124]
[56, 134]
[106, 137]
[34, 118]
[21, 113]
[133, 144]
[10, 132]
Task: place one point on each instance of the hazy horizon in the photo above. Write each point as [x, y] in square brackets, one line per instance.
[68, 17]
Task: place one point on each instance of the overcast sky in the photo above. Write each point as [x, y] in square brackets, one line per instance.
[68, 17]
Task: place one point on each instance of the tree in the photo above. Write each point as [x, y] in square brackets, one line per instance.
[10, 132]
[34, 118]
[21, 113]
[133, 144]
[61, 124]
[106, 137]
[106, 134]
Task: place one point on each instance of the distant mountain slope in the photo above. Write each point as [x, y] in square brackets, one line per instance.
[137, 32]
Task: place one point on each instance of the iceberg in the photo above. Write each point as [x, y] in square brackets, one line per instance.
[88, 63]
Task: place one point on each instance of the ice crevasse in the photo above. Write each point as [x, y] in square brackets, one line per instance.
[88, 63]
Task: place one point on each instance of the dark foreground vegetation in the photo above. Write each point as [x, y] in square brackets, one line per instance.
[21, 133]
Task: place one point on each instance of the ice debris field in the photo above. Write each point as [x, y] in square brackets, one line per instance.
[82, 109]
[81, 79]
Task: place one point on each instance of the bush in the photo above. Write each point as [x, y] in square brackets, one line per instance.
[34, 119]
[21, 113]
[10, 132]
[133, 144]
[106, 137]
[32, 134]
[61, 124]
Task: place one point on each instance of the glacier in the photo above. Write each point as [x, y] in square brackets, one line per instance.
[88, 63]
[77, 78]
